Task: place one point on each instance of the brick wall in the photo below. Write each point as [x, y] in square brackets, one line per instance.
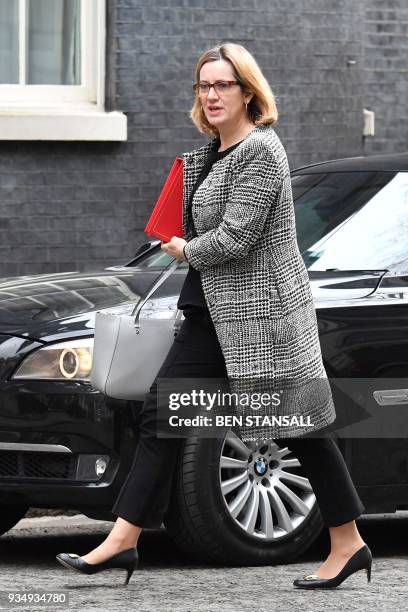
[83, 205]
[386, 74]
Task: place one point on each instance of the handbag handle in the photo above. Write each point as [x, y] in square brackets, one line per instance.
[166, 273]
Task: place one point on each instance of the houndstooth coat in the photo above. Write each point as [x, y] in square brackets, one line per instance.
[256, 284]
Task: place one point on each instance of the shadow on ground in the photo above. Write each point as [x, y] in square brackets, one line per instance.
[386, 536]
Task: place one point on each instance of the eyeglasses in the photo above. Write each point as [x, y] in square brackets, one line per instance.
[221, 87]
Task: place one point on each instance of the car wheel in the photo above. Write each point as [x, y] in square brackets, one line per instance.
[241, 503]
[10, 516]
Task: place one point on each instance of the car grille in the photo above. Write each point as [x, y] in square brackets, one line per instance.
[15, 464]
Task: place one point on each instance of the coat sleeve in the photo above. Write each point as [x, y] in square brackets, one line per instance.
[256, 185]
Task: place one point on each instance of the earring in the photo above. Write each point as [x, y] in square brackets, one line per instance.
[246, 106]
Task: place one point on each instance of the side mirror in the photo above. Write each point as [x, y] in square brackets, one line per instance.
[143, 247]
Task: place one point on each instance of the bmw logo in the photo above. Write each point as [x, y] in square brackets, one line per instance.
[260, 466]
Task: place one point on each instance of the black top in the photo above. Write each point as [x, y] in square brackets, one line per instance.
[192, 291]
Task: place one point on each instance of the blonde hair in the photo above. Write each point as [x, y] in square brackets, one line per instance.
[261, 108]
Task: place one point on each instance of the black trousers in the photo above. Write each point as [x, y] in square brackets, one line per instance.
[195, 352]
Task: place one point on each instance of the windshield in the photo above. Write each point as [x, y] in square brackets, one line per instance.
[352, 220]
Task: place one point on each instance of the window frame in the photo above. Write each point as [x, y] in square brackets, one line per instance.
[65, 112]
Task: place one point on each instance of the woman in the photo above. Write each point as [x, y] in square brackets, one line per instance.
[249, 314]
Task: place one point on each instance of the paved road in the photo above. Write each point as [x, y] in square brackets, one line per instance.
[167, 582]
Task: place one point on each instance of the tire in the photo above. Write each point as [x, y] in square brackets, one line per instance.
[202, 525]
[10, 516]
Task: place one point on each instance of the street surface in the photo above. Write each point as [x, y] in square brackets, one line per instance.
[168, 582]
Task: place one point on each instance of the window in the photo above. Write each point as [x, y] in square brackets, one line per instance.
[52, 58]
[353, 220]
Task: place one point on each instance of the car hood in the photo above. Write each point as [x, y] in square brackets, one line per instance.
[50, 307]
[65, 303]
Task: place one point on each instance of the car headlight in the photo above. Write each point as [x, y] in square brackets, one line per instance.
[62, 361]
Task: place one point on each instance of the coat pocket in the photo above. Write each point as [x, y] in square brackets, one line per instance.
[293, 286]
[247, 304]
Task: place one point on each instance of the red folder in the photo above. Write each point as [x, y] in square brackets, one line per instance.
[166, 219]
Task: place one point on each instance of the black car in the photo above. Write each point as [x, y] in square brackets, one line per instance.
[64, 445]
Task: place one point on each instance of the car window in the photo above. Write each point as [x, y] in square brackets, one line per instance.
[344, 220]
[352, 220]
[159, 260]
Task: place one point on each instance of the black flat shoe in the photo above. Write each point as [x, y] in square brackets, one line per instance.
[362, 559]
[126, 559]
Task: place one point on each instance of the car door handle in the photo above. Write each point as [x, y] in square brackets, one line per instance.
[389, 397]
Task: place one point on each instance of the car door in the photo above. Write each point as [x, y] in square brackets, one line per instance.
[352, 229]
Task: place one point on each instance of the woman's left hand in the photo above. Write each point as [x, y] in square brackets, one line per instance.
[175, 247]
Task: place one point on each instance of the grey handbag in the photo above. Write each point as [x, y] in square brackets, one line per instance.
[128, 354]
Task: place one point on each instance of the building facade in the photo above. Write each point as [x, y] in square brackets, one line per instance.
[95, 98]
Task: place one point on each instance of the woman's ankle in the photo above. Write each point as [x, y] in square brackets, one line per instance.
[121, 542]
[347, 548]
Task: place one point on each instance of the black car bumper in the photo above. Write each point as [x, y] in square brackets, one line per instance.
[63, 445]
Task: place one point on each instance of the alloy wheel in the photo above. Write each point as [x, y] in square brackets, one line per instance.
[262, 487]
